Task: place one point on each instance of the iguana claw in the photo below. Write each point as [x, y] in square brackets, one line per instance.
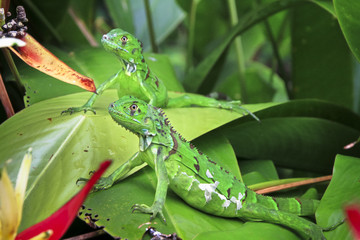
[81, 180]
[153, 210]
[78, 109]
[236, 106]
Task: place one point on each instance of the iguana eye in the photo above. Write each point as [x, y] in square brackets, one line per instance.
[124, 39]
[134, 107]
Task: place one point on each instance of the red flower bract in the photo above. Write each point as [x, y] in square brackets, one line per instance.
[60, 221]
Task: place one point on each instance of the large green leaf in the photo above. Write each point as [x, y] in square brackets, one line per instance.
[257, 171]
[296, 132]
[347, 13]
[322, 63]
[343, 189]
[66, 147]
[327, 5]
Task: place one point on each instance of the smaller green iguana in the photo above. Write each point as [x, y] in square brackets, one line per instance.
[197, 179]
[136, 79]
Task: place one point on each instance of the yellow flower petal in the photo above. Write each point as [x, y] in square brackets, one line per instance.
[43, 236]
[11, 200]
[8, 208]
[21, 181]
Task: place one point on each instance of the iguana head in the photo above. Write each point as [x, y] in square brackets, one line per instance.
[123, 45]
[134, 114]
[145, 120]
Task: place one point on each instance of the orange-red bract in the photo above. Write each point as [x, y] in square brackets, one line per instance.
[60, 221]
[37, 56]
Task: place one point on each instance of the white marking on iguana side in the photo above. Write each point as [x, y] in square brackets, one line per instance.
[208, 189]
[237, 201]
[193, 179]
[227, 201]
[208, 174]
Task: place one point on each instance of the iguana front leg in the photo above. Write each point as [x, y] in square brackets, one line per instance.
[161, 188]
[118, 174]
[88, 105]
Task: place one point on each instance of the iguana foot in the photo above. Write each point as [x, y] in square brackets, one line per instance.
[79, 109]
[236, 106]
[102, 183]
[153, 210]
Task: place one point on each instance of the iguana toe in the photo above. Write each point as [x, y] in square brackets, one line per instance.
[103, 183]
[81, 180]
[154, 210]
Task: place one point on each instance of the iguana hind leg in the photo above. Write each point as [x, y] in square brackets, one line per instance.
[189, 99]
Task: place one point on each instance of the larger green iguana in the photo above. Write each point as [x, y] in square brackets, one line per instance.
[197, 179]
[136, 79]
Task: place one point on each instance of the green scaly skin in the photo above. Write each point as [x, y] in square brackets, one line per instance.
[192, 175]
[136, 79]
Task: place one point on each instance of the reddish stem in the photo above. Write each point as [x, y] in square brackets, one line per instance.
[5, 100]
[294, 184]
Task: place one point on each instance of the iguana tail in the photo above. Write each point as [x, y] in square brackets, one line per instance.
[297, 206]
[283, 211]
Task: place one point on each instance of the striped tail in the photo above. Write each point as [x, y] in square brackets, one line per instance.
[297, 206]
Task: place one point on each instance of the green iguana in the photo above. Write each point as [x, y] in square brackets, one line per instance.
[136, 79]
[197, 179]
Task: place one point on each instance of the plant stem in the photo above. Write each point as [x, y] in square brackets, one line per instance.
[5, 100]
[239, 51]
[150, 26]
[13, 68]
[88, 235]
[294, 184]
[190, 46]
[82, 26]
